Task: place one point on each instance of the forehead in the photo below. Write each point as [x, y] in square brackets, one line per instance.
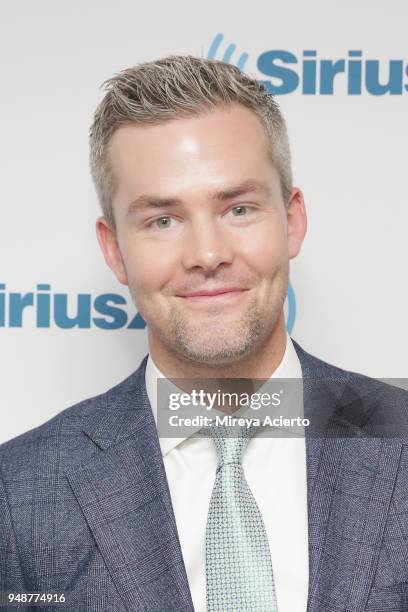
[213, 150]
[222, 127]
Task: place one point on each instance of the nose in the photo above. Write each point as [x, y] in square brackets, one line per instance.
[206, 246]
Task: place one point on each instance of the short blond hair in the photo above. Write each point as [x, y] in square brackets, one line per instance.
[180, 86]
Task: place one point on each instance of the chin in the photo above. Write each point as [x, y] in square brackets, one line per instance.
[221, 355]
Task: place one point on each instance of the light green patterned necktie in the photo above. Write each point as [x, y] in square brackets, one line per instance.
[238, 562]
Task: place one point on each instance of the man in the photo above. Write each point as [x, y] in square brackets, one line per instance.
[191, 163]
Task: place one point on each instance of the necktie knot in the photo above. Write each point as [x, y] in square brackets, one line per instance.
[230, 441]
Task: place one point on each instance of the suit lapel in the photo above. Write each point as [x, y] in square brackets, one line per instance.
[350, 483]
[123, 493]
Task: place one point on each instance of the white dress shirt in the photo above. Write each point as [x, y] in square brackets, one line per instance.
[275, 469]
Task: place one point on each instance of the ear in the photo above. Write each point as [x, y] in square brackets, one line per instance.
[110, 248]
[297, 222]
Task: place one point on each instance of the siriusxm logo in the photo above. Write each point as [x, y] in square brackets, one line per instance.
[286, 72]
[44, 309]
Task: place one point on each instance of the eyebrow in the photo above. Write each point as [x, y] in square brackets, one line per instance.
[151, 201]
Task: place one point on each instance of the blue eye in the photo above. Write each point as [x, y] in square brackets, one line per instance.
[158, 225]
[241, 208]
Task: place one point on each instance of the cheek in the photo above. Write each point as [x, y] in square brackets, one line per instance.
[148, 268]
[266, 250]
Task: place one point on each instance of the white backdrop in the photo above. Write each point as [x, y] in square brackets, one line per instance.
[349, 157]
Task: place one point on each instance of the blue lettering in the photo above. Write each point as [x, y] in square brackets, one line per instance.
[104, 304]
[328, 71]
[18, 303]
[83, 317]
[354, 73]
[309, 73]
[394, 84]
[289, 79]
[43, 306]
[101, 305]
[137, 322]
[318, 76]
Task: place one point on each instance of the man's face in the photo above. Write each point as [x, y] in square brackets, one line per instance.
[199, 208]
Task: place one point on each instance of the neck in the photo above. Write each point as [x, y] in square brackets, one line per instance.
[259, 364]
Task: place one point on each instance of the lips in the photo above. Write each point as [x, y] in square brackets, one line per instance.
[210, 293]
[224, 295]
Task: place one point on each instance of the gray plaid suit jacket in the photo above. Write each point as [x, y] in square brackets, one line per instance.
[85, 506]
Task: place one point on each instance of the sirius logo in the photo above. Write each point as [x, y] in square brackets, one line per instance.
[44, 309]
[286, 72]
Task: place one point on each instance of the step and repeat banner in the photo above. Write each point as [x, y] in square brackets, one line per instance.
[68, 329]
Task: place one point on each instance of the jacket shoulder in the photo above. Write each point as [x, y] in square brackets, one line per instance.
[313, 367]
[381, 402]
[64, 430]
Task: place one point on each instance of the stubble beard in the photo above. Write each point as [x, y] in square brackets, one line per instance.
[205, 338]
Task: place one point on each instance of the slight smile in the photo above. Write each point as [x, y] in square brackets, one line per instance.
[213, 296]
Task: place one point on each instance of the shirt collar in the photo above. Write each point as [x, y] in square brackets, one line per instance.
[289, 367]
